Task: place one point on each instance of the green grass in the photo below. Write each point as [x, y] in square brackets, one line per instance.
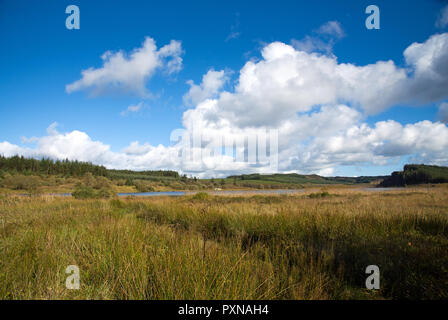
[224, 247]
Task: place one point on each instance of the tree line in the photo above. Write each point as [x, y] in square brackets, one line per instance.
[47, 166]
[416, 174]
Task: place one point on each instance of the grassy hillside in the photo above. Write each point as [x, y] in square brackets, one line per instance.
[19, 174]
[413, 174]
[43, 176]
[294, 178]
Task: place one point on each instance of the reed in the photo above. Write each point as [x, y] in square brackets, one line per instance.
[227, 247]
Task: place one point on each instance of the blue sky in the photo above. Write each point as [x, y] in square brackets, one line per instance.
[39, 57]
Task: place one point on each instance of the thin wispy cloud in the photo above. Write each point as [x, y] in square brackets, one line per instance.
[331, 28]
[442, 114]
[322, 40]
[234, 29]
[442, 19]
[132, 109]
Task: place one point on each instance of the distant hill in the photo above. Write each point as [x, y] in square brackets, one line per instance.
[294, 178]
[412, 174]
[144, 175]
[416, 174]
[27, 166]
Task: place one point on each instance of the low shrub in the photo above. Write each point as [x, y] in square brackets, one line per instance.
[22, 182]
[201, 196]
[318, 195]
[143, 186]
[102, 183]
[83, 192]
[105, 193]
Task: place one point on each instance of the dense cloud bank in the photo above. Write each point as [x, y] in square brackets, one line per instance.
[316, 104]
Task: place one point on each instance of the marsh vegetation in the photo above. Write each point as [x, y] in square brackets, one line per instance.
[314, 245]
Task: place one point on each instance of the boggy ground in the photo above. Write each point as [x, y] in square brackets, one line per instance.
[315, 245]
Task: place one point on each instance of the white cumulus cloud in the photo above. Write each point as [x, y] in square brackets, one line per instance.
[317, 106]
[129, 73]
[286, 81]
[211, 84]
[77, 145]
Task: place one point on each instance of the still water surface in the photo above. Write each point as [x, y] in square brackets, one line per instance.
[222, 192]
[227, 192]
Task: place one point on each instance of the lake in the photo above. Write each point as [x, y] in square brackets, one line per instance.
[382, 189]
[227, 192]
[221, 192]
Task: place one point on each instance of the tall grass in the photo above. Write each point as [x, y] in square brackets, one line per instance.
[224, 247]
